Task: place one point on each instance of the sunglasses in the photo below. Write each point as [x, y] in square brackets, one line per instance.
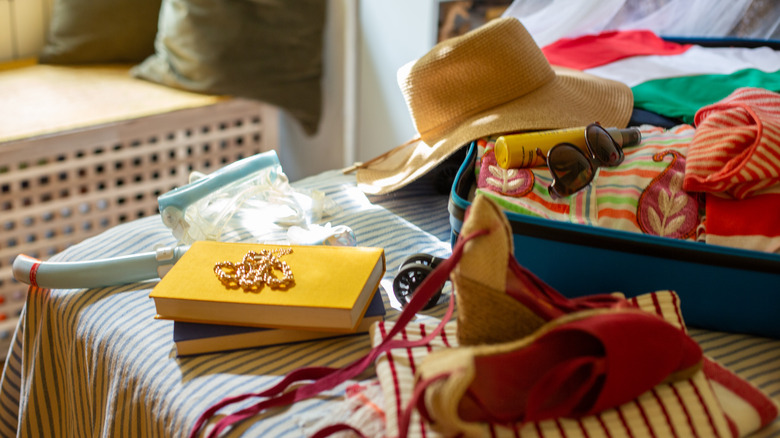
[572, 169]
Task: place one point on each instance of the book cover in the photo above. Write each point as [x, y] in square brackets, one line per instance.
[330, 291]
[193, 338]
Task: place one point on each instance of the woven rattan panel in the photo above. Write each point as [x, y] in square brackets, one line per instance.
[57, 190]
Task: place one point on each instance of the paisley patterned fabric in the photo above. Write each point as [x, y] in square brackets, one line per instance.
[665, 209]
[643, 194]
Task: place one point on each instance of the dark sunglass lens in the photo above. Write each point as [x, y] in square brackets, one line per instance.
[603, 147]
[570, 167]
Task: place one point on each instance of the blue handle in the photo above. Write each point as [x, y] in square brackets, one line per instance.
[180, 197]
[96, 273]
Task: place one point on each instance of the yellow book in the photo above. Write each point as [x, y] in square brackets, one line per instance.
[330, 291]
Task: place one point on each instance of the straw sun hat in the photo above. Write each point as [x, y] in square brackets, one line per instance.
[490, 81]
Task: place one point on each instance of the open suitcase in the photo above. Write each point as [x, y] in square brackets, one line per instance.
[720, 288]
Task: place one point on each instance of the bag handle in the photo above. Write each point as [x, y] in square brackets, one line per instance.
[325, 378]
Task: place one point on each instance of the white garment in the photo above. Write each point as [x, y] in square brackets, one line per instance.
[547, 21]
[694, 61]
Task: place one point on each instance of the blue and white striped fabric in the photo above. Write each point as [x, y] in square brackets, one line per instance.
[95, 362]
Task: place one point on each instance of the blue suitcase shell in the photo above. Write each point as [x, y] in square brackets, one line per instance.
[720, 288]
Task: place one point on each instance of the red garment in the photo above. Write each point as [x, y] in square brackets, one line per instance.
[736, 147]
[590, 51]
[750, 223]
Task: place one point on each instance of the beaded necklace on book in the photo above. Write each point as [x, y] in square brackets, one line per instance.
[255, 269]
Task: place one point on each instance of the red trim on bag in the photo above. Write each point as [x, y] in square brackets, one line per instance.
[582, 429]
[684, 408]
[710, 420]
[603, 425]
[657, 305]
[677, 307]
[623, 421]
[413, 367]
[409, 354]
[764, 407]
[663, 409]
[444, 337]
[732, 427]
[643, 413]
[560, 428]
[515, 430]
[394, 373]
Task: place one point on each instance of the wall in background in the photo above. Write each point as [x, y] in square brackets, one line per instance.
[392, 34]
[364, 112]
[23, 27]
[302, 155]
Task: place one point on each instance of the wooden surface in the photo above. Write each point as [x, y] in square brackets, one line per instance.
[44, 99]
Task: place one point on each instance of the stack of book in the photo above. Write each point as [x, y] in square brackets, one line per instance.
[314, 292]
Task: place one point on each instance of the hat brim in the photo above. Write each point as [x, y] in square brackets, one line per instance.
[571, 99]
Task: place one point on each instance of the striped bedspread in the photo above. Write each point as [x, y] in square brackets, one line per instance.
[96, 363]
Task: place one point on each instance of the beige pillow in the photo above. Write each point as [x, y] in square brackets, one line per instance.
[269, 50]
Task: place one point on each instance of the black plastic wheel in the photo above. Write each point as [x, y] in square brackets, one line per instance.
[408, 280]
[421, 259]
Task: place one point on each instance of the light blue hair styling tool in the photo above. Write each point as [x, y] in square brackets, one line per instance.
[96, 273]
[174, 204]
[146, 266]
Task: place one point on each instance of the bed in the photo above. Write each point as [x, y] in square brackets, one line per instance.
[95, 362]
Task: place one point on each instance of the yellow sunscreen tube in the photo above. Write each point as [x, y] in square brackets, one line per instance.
[519, 150]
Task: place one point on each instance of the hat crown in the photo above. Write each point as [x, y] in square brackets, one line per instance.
[473, 73]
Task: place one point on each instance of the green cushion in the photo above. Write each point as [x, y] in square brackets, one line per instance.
[105, 31]
[268, 50]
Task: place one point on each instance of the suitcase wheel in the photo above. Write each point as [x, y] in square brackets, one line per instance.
[411, 274]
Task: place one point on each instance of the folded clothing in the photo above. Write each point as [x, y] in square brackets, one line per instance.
[736, 148]
[750, 223]
[594, 50]
[669, 79]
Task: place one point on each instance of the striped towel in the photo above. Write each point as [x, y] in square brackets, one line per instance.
[736, 149]
[688, 408]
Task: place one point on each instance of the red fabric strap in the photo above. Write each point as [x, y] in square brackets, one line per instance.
[325, 378]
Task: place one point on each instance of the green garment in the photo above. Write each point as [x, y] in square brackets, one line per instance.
[681, 97]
